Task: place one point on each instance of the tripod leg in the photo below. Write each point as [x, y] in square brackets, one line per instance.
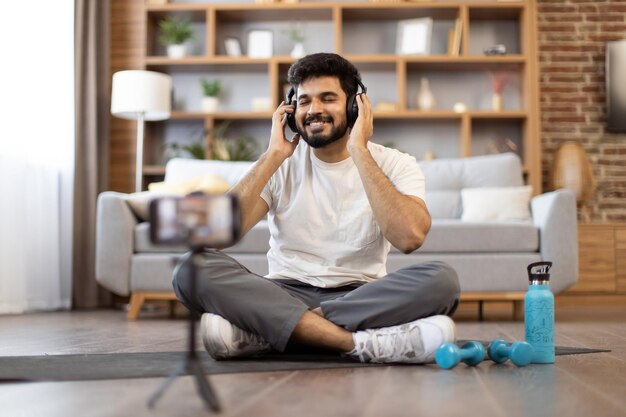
[166, 383]
[191, 361]
[204, 387]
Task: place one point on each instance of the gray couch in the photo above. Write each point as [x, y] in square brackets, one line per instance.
[489, 256]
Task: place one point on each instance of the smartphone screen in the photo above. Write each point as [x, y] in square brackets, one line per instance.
[195, 220]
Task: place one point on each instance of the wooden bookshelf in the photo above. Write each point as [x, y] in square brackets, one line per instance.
[363, 32]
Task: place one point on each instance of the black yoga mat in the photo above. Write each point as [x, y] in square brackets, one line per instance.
[160, 364]
[152, 364]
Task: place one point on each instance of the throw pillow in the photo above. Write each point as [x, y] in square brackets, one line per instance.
[496, 203]
[140, 202]
[209, 184]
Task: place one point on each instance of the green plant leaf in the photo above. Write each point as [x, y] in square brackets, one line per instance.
[175, 30]
[211, 88]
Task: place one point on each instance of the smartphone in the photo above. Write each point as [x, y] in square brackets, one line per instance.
[211, 221]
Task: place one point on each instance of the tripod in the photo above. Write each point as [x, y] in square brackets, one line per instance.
[191, 362]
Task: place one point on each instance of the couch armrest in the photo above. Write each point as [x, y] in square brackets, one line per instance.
[115, 223]
[554, 213]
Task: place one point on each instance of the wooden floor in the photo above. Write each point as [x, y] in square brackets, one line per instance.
[582, 385]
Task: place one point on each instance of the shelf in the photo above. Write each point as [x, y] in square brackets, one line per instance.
[365, 34]
[218, 63]
[190, 11]
[364, 62]
[505, 114]
[373, 58]
[399, 11]
[496, 11]
[407, 114]
[182, 115]
[274, 12]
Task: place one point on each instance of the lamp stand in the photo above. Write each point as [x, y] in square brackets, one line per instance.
[139, 153]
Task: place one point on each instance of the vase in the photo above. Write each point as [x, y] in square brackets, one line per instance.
[496, 102]
[176, 51]
[425, 97]
[210, 104]
[297, 51]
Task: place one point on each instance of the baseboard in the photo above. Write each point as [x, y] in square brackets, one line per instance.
[590, 300]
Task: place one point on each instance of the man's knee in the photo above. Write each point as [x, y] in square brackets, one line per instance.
[446, 287]
[181, 279]
[446, 278]
[440, 281]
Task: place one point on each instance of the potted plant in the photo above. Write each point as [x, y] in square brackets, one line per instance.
[498, 82]
[244, 148]
[296, 35]
[175, 31]
[210, 91]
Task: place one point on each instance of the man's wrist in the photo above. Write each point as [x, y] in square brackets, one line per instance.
[274, 157]
[357, 150]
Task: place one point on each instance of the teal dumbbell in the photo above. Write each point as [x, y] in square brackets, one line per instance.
[449, 355]
[520, 353]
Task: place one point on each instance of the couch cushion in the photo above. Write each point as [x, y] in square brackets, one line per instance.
[139, 202]
[455, 236]
[152, 271]
[445, 236]
[144, 245]
[180, 169]
[486, 272]
[443, 204]
[445, 178]
[256, 241]
[208, 183]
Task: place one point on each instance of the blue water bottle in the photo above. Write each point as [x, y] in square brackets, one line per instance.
[539, 312]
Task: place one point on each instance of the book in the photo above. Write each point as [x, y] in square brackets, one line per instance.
[454, 38]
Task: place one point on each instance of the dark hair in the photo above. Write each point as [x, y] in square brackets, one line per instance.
[325, 64]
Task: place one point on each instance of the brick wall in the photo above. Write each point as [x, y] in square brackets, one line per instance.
[571, 39]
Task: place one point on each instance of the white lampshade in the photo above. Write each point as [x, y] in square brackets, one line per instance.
[135, 92]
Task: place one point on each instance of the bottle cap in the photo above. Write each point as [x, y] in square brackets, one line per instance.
[539, 271]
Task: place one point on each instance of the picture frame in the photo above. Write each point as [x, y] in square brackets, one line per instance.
[233, 47]
[260, 44]
[414, 36]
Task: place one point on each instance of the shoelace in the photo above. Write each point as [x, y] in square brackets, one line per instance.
[244, 338]
[390, 345]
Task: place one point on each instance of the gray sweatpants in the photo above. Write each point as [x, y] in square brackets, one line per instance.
[272, 308]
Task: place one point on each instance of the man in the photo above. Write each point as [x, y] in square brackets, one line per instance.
[335, 204]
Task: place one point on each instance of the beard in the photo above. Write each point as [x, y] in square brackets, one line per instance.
[319, 140]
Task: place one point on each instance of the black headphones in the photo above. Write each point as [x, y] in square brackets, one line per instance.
[352, 107]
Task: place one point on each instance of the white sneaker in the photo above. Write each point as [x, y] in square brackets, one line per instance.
[223, 339]
[414, 342]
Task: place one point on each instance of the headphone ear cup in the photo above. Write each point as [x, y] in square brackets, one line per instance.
[291, 121]
[291, 117]
[352, 110]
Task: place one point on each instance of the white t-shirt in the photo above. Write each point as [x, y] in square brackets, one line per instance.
[323, 231]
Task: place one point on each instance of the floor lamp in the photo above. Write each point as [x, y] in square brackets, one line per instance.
[142, 96]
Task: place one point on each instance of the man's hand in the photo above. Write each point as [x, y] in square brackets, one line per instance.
[363, 128]
[278, 141]
[403, 219]
[250, 187]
